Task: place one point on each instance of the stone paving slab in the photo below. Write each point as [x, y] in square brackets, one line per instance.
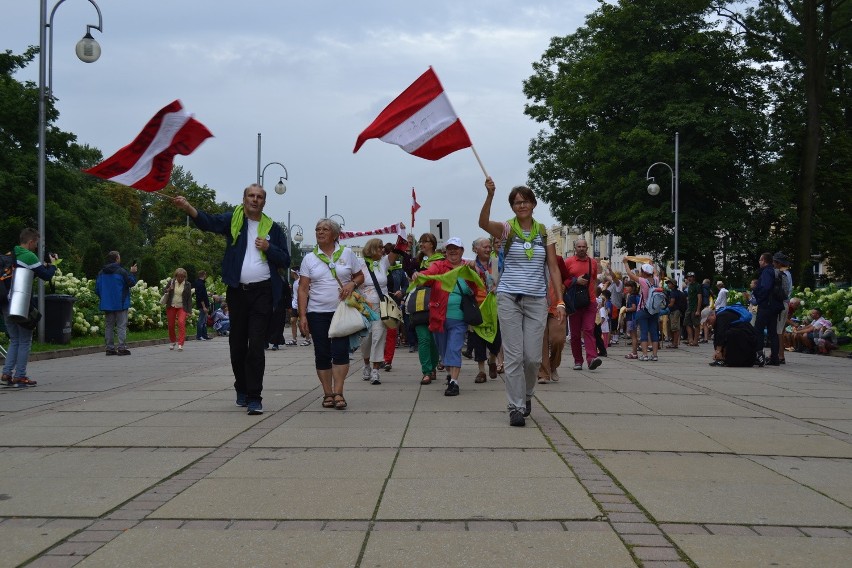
[832, 477]
[275, 498]
[692, 405]
[314, 463]
[324, 437]
[502, 464]
[593, 403]
[19, 544]
[698, 488]
[488, 550]
[806, 406]
[839, 425]
[648, 433]
[750, 551]
[211, 548]
[474, 437]
[59, 420]
[486, 498]
[644, 386]
[768, 436]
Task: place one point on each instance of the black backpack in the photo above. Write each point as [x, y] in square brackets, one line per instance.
[778, 292]
[7, 270]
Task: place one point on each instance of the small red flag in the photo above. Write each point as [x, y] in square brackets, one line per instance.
[414, 206]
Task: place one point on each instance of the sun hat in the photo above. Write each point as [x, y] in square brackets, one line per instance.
[781, 258]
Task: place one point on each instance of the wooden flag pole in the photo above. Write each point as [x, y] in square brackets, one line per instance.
[478, 160]
[160, 195]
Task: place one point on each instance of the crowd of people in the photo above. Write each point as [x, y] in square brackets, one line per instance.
[511, 308]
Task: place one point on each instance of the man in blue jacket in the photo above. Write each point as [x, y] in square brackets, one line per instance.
[255, 250]
[768, 308]
[113, 288]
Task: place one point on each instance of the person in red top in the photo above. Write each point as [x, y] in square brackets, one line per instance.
[583, 271]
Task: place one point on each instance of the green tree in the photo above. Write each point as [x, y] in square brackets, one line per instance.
[805, 44]
[612, 96]
[190, 248]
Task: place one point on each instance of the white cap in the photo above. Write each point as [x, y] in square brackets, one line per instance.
[647, 268]
[454, 241]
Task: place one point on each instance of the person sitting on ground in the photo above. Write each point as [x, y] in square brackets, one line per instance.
[735, 341]
[222, 320]
[818, 335]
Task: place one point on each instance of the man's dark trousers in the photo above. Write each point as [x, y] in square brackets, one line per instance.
[250, 307]
[767, 319]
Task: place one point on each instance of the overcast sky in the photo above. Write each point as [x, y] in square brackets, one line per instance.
[310, 76]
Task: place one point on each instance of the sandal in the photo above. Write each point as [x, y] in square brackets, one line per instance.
[328, 400]
[500, 369]
[339, 401]
[427, 379]
[631, 356]
[480, 377]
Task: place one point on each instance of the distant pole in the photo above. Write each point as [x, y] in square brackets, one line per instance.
[325, 215]
[258, 158]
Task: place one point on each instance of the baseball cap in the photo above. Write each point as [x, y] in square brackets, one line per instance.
[690, 274]
[454, 241]
[647, 268]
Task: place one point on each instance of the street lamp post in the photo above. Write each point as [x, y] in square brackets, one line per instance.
[342, 220]
[280, 188]
[654, 189]
[88, 51]
[575, 228]
[291, 238]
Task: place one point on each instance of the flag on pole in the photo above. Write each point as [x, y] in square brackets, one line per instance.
[414, 206]
[146, 163]
[421, 121]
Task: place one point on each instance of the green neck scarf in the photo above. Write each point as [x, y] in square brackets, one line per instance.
[448, 279]
[429, 260]
[534, 230]
[331, 262]
[263, 227]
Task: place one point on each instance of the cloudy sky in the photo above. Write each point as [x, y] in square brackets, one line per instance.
[310, 76]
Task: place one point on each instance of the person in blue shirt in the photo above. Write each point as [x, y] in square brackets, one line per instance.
[202, 302]
[113, 286]
[768, 308]
[255, 250]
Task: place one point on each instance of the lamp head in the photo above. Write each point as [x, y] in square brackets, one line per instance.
[280, 188]
[298, 238]
[653, 189]
[88, 50]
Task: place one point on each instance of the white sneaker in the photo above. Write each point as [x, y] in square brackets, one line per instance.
[366, 373]
[180, 347]
[172, 347]
[374, 377]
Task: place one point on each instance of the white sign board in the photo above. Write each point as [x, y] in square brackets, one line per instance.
[441, 229]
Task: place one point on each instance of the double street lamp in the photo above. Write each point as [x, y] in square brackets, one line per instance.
[88, 51]
[654, 190]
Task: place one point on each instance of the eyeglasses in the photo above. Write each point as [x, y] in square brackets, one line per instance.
[523, 203]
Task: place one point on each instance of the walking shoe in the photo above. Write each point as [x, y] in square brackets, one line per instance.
[374, 377]
[305, 342]
[291, 342]
[254, 408]
[452, 389]
[411, 349]
[180, 347]
[23, 382]
[492, 370]
[467, 354]
[6, 380]
[122, 352]
[274, 347]
[172, 347]
[201, 339]
[242, 399]
[595, 363]
[111, 352]
[388, 367]
[516, 418]
[760, 359]
[528, 409]
[366, 373]
[578, 366]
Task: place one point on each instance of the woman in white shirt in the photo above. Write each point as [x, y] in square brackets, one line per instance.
[373, 346]
[328, 275]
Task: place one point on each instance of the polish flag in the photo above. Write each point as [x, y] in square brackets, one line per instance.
[414, 206]
[421, 121]
[146, 163]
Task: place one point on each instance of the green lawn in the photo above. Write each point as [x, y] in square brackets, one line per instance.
[99, 340]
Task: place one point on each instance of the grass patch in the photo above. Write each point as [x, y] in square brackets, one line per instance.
[99, 340]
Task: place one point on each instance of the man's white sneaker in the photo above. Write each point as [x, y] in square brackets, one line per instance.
[366, 373]
[374, 377]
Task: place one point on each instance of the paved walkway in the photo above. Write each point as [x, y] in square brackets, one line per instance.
[145, 461]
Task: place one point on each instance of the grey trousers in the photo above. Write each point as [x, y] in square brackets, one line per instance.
[522, 321]
[118, 320]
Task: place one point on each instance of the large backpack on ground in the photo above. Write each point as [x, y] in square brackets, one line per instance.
[7, 271]
[417, 305]
[741, 345]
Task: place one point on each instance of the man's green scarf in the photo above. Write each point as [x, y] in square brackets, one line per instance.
[534, 230]
[262, 229]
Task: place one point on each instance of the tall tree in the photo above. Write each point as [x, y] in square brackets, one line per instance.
[806, 44]
[614, 93]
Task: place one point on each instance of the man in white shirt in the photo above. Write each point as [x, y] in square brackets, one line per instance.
[722, 296]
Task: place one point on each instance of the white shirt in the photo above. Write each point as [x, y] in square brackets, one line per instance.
[381, 272]
[324, 292]
[721, 298]
[255, 269]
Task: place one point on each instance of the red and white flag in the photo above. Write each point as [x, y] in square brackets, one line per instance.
[414, 206]
[146, 163]
[395, 229]
[421, 121]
